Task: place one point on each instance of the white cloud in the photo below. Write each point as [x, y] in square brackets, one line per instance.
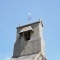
[8, 58]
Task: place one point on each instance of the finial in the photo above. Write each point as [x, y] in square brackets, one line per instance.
[19, 24]
[39, 19]
[41, 22]
[29, 18]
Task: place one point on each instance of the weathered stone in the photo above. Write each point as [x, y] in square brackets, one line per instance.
[28, 49]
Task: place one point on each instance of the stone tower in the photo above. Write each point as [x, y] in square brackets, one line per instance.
[29, 42]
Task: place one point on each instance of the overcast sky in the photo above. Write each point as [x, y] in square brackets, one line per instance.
[13, 12]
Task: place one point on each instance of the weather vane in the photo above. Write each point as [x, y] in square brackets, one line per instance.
[29, 17]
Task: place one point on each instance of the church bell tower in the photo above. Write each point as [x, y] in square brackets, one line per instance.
[29, 42]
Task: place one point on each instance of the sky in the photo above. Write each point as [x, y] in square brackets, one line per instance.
[15, 12]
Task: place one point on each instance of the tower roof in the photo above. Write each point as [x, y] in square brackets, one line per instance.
[31, 24]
